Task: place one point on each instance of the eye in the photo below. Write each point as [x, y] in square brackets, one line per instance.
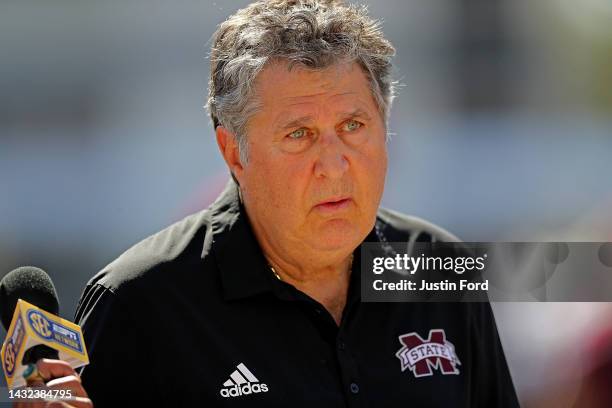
[351, 125]
[298, 140]
[297, 134]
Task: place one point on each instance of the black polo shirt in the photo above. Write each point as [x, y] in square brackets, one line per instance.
[193, 316]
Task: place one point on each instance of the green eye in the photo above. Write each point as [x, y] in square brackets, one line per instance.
[297, 134]
[351, 125]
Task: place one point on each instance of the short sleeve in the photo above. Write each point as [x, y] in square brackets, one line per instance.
[121, 371]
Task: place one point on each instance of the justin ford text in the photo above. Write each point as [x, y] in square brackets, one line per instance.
[411, 264]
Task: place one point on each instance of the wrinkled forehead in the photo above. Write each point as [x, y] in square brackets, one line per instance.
[284, 88]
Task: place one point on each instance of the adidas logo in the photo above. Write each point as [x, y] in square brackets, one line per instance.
[242, 382]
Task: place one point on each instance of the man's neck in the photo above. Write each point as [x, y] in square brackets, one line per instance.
[328, 286]
[322, 276]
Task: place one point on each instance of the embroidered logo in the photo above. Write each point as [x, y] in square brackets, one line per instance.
[422, 356]
[242, 382]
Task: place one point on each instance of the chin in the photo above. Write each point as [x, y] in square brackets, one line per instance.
[338, 234]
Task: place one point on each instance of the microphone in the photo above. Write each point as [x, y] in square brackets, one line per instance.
[34, 286]
[29, 307]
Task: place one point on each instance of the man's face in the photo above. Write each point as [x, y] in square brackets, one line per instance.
[317, 159]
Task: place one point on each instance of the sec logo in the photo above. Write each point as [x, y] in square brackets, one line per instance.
[40, 324]
[9, 358]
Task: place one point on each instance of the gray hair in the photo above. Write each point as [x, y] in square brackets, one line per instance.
[314, 34]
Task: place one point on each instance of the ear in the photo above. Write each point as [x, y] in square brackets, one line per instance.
[228, 146]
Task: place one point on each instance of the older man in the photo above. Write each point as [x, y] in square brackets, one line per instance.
[255, 301]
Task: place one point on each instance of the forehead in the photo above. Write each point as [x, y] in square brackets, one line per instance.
[282, 91]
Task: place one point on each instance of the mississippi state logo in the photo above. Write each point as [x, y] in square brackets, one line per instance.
[423, 356]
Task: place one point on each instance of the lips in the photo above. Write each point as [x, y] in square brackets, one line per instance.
[334, 204]
[333, 200]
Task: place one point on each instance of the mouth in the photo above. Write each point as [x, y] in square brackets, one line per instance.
[334, 204]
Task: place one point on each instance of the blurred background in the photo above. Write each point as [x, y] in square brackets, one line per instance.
[502, 131]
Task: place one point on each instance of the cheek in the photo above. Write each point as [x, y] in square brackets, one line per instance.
[374, 166]
[377, 181]
[372, 172]
[383, 167]
[277, 186]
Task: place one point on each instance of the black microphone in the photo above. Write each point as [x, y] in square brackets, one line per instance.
[34, 286]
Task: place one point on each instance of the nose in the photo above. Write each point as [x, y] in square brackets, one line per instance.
[332, 161]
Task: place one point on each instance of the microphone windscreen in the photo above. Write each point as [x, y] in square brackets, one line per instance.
[30, 284]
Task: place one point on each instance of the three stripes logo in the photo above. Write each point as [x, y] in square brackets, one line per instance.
[242, 382]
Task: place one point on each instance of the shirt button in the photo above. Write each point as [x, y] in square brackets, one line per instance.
[341, 345]
[354, 388]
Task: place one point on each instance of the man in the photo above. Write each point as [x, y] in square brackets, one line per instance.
[255, 301]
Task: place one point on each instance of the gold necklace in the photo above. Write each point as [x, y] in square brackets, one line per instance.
[280, 279]
[275, 273]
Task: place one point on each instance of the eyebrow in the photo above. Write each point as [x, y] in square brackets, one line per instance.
[356, 113]
[303, 120]
[299, 122]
